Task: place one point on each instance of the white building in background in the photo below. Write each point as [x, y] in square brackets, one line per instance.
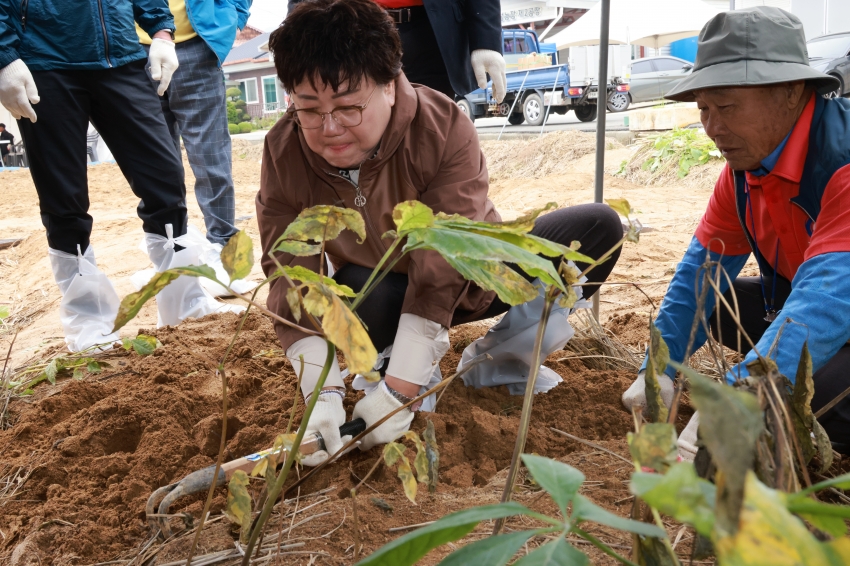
[819, 17]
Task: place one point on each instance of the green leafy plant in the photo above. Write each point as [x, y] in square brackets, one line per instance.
[232, 128]
[562, 483]
[480, 251]
[677, 150]
[245, 127]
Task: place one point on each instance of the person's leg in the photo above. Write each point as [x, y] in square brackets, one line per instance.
[381, 310]
[126, 111]
[56, 148]
[596, 226]
[195, 98]
[748, 292]
[831, 380]
[421, 59]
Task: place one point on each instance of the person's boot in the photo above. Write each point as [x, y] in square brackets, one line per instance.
[89, 302]
[184, 297]
[511, 342]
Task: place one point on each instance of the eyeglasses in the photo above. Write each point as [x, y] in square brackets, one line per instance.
[345, 116]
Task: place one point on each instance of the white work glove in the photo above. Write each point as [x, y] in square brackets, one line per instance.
[18, 91]
[487, 61]
[327, 416]
[375, 406]
[162, 60]
[635, 395]
[687, 442]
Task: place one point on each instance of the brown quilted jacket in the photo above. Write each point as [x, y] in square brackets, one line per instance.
[429, 153]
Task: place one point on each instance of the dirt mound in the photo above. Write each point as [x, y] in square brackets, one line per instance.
[534, 159]
[245, 150]
[98, 447]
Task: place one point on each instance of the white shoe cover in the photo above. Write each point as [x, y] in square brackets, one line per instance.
[211, 255]
[89, 301]
[184, 297]
[687, 442]
[511, 342]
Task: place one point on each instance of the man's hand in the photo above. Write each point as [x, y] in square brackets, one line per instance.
[487, 61]
[162, 60]
[327, 416]
[635, 395]
[18, 91]
[375, 406]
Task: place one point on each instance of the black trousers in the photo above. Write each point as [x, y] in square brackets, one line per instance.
[596, 226]
[829, 381]
[123, 106]
[421, 60]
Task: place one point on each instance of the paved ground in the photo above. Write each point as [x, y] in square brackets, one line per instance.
[615, 122]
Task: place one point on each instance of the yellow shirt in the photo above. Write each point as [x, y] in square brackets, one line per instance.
[184, 30]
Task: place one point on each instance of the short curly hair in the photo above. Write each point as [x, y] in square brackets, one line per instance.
[336, 41]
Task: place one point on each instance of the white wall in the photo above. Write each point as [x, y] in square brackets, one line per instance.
[819, 17]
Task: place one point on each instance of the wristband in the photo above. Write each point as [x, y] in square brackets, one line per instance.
[403, 399]
[339, 392]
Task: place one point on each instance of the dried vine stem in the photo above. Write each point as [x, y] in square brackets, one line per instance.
[525, 418]
[223, 442]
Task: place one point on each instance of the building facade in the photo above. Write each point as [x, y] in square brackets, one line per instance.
[250, 68]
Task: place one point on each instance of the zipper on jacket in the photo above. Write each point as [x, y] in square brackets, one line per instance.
[364, 212]
[103, 27]
[24, 6]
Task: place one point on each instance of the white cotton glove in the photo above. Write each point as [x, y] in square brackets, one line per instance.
[487, 61]
[635, 395]
[687, 442]
[375, 406]
[162, 60]
[327, 416]
[18, 91]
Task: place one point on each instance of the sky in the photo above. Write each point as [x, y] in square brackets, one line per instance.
[267, 14]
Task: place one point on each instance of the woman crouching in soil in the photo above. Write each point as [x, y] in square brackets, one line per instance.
[359, 135]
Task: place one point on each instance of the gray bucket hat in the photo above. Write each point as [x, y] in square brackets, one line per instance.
[752, 47]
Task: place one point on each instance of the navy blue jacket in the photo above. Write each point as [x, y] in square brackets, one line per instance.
[77, 34]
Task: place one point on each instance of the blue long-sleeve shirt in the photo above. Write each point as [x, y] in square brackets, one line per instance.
[796, 208]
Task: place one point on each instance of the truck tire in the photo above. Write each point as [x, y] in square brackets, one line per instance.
[516, 119]
[466, 108]
[533, 109]
[618, 101]
[586, 113]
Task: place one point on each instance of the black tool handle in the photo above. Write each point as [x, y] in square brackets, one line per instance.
[353, 428]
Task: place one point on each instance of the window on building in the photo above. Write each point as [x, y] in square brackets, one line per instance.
[249, 90]
[269, 90]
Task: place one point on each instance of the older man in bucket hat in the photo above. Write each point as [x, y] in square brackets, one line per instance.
[783, 196]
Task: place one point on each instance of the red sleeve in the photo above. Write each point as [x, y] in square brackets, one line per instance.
[719, 229]
[832, 229]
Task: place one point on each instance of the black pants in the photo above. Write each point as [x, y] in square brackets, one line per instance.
[596, 226]
[421, 60]
[123, 106]
[829, 381]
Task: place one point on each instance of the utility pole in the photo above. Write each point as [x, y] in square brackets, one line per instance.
[731, 5]
[601, 107]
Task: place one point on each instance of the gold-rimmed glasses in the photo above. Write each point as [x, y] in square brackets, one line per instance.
[345, 116]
